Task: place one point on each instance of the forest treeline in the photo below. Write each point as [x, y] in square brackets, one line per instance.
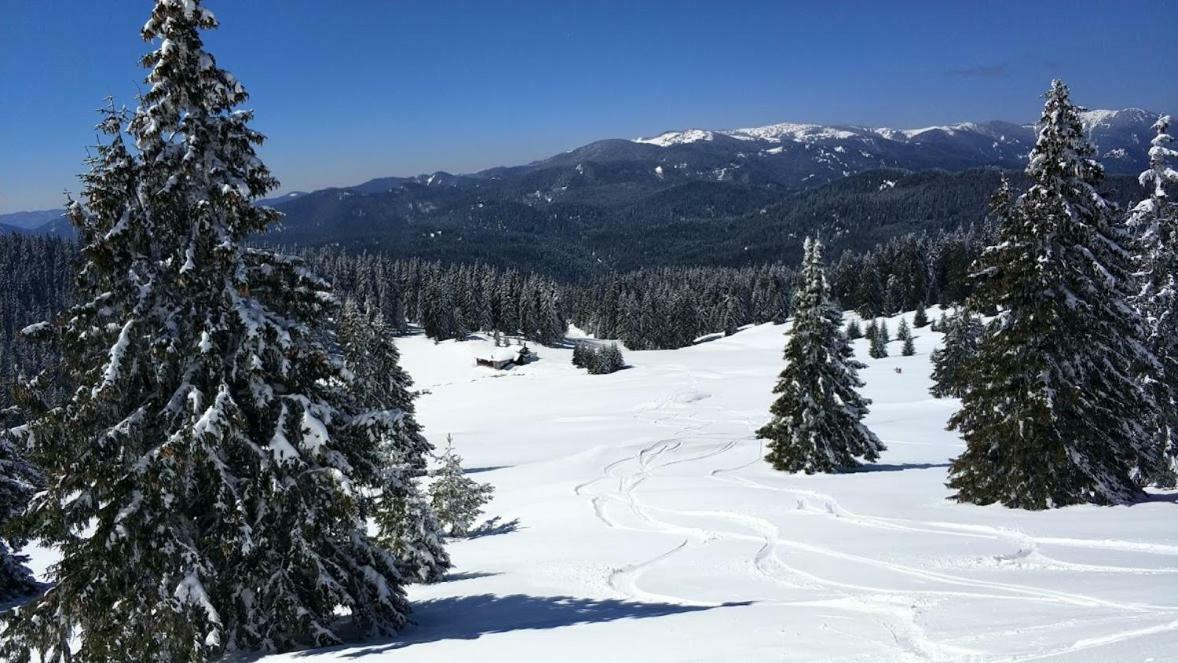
[658, 308]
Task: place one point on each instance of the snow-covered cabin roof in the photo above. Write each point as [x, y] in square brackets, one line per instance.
[501, 354]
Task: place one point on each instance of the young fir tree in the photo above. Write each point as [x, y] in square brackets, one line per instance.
[581, 353]
[872, 331]
[1053, 409]
[854, 331]
[457, 499]
[878, 348]
[406, 525]
[920, 319]
[1155, 225]
[19, 480]
[607, 359]
[909, 348]
[209, 448]
[904, 331]
[950, 362]
[816, 425]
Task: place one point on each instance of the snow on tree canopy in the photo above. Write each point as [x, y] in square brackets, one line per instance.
[223, 460]
[1053, 409]
[816, 425]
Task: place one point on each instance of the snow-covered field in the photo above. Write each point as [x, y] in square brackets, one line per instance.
[649, 529]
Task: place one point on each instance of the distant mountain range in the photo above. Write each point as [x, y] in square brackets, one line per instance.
[589, 199]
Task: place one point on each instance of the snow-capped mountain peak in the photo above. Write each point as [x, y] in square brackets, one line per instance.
[669, 138]
[1094, 121]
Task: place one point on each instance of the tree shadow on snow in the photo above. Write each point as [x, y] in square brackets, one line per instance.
[467, 575]
[471, 617]
[487, 468]
[1167, 497]
[494, 527]
[899, 467]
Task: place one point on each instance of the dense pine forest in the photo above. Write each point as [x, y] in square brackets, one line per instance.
[658, 308]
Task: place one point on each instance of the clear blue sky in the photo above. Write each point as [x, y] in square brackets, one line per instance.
[353, 89]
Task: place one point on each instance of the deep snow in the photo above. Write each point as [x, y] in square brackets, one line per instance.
[650, 530]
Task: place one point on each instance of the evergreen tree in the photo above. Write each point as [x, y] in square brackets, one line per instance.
[209, 445]
[878, 348]
[607, 359]
[1053, 409]
[904, 332]
[733, 315]
[816, 425]
[893, 296]
[405, 523]
[853, 329]
[580, 355]
[457, 499]
[19, 480]
[872, 331]
[921, 318]
[951, 361]
[909, 348]
[1155, 225]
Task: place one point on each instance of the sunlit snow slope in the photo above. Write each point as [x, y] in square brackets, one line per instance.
[649, 530]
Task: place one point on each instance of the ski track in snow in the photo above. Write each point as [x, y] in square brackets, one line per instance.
[651, 529]
[897, 610]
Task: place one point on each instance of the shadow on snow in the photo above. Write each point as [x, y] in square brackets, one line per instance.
[471, 617]
[898, 467]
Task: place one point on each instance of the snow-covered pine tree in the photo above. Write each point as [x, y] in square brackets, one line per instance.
[884, 335]
[733, 315]
[904, 331]
[951, 360]
[580, 351]
[909, 347]
[872, 330]
[854, 331]
[457, 499]
[1154, 222]
[1053, 410]
[816, 425]
[878, 348]
[920, 319]
[19, 480]
[606, 359]
[208, 447]
[381, 388]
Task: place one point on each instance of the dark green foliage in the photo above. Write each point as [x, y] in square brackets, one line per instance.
[909, 348]
[1155, 225]
[208, 442]
[19, 480]
[903, 331]
[920, 320]
[816, 425]
[878, 338]
[1053, 409]
[878, 348]
[598, 358]
[670, 308]
[582, 354]
[457, 499]
[951, 360]
[853, 329]
[406, 525]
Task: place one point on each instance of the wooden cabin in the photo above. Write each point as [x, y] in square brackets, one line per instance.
[502, 359]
